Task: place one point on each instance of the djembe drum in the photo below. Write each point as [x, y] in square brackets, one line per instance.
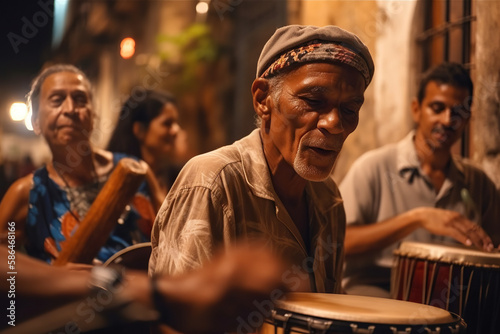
[455, 278]
[338, 314]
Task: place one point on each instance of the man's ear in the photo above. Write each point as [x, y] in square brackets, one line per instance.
[261, 97]
[415, 110]
[139, 131]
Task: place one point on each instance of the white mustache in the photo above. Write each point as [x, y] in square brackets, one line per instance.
[329, 145]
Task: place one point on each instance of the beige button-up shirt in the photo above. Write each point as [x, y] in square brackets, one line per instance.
[227, 194]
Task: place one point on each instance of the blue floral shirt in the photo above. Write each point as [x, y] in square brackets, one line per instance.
[50, 221]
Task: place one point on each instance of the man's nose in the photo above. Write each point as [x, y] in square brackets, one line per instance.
[447, 117]
[331, 121]
[68, 105]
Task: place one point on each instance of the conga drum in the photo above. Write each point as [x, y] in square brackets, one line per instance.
[453, 277]
[338, 314]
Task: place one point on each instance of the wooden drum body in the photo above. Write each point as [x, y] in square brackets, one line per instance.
[454, 278]
[336, 314]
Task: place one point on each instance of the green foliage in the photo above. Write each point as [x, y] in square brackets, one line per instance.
[188, 51]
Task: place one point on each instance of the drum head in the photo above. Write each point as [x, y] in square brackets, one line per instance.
[448, 253]
[133, 257]
[364, 309]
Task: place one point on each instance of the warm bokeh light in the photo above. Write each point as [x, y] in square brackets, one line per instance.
[202, 7]
[127, 47]
[18, 111]
[27, 121]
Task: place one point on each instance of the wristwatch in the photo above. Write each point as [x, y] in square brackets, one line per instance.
[106, 278]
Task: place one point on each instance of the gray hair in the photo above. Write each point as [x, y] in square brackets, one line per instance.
[33, 96]
[275, 90]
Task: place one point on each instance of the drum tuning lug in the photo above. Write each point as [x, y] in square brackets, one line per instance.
[284, 318]
[458, 329]
[281, 318]
[356, 330]
[407, 330]
[318, 326]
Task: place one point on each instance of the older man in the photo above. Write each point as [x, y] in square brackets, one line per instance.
[48, 205]
[275, 184]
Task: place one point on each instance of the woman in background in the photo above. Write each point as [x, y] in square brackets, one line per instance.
[157, 138]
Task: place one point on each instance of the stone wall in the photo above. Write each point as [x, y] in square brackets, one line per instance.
[385, 27]
[389, 29]
[486, 107]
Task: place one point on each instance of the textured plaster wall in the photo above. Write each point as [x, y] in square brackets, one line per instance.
[384, 26]
[486, 107]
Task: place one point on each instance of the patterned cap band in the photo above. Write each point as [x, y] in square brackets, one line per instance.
[317, 51]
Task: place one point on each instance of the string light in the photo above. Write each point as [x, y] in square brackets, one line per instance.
[202, 7]
[127, 47]
[18, 111]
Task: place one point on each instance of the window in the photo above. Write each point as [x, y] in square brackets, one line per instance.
[448, 35]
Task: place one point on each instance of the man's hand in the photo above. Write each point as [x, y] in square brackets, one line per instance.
[453, 224]
[221, 295]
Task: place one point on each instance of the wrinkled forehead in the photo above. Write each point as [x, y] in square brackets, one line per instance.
[64, 81]
[324, 76]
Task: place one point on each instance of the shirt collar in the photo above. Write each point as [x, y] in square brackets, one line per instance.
[254, 164]
[407, 154]
[325, 195]
[408, 164]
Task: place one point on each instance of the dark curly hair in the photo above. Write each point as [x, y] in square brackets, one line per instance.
[446, 73]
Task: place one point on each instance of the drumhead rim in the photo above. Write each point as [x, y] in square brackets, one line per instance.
[448, 253]
[374, 310]
[312, 321]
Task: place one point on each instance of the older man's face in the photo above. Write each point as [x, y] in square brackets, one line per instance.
[65, 109]
[316, 110]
